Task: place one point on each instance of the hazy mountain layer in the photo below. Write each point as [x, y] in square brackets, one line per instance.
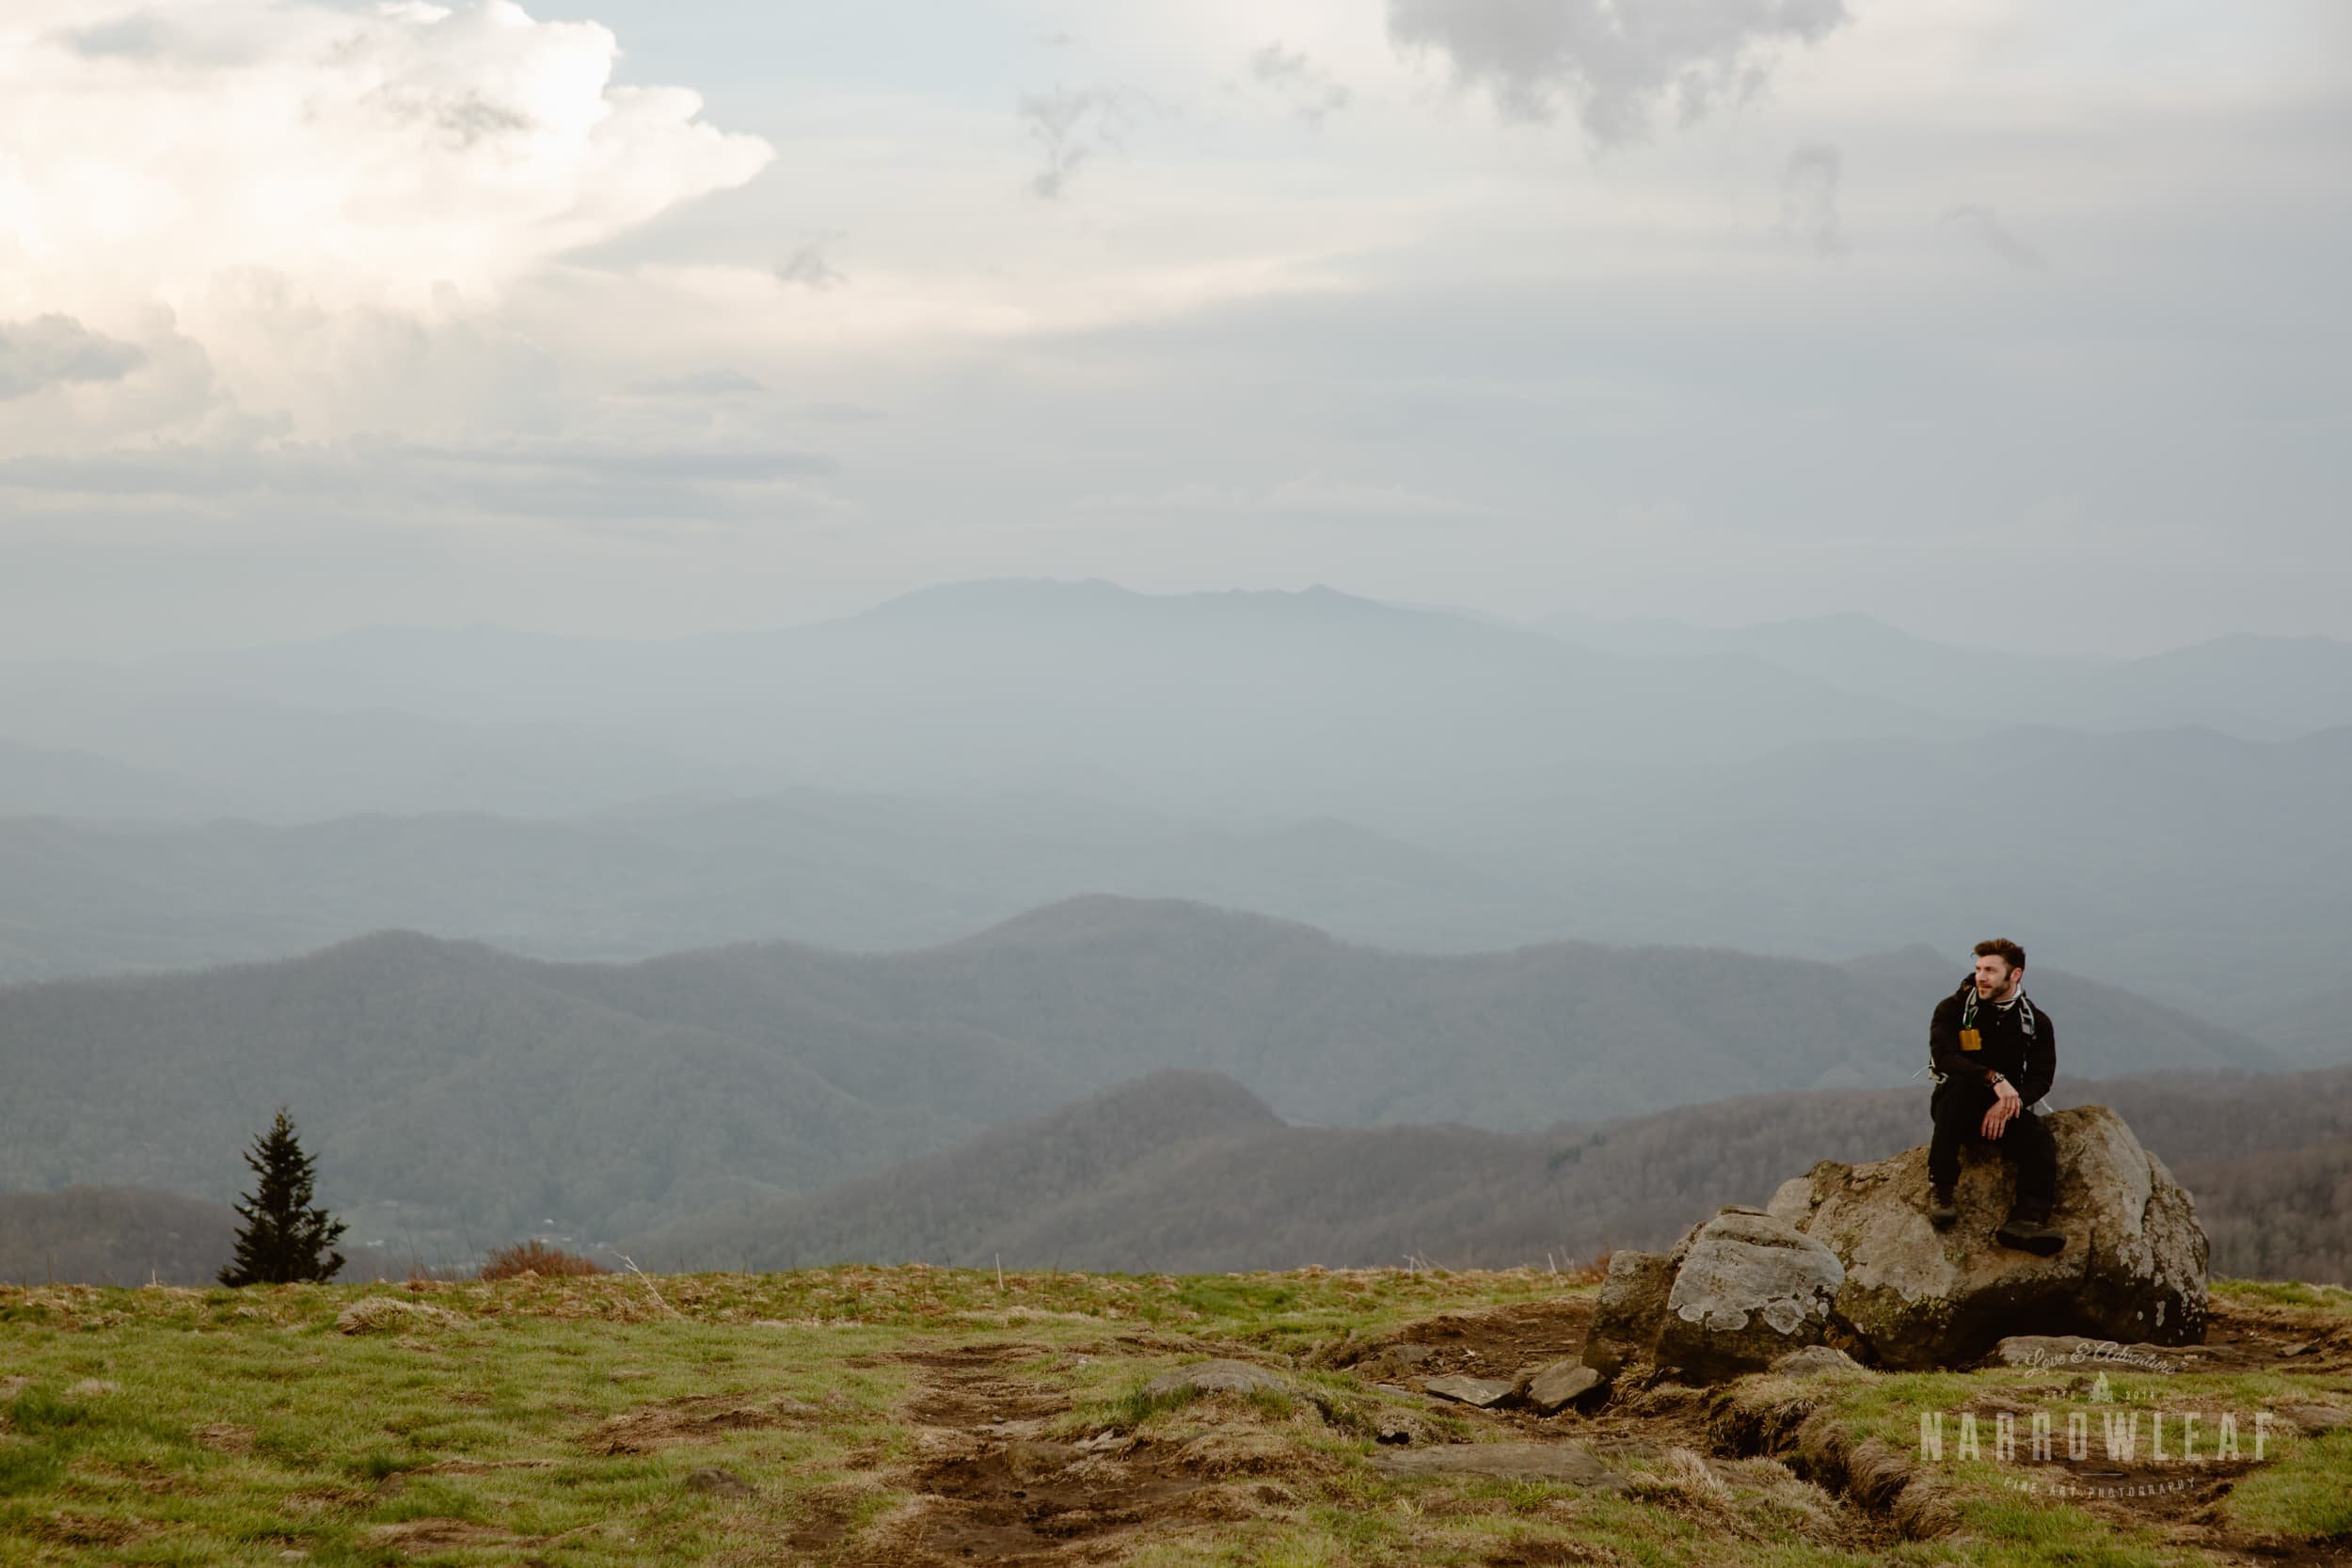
[113, 1236]
[1414, 778]
[2211, 873]
[2263, 686]
[861, 872]
[452, 1088]
[1300, 703]
[1188, 1172]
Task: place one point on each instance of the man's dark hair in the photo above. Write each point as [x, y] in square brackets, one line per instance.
[2011, 953]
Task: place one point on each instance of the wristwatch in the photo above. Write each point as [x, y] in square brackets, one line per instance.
[1995, 1078]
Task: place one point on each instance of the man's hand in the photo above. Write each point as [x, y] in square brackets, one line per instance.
[2003, 1109]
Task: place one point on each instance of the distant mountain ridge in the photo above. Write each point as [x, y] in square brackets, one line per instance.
[2255, 687]
[1187, 1172]
[1317, 702]
[468, 1091]
[1821, 787]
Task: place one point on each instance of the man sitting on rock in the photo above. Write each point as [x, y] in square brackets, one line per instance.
[1994, 1054]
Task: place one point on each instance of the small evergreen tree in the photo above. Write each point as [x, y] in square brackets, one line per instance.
[282, 1235]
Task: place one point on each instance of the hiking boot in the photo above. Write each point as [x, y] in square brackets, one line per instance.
[2029, 1230]
[1943, 1206]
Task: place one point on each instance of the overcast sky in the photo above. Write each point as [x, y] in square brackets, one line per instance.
[2008, 322]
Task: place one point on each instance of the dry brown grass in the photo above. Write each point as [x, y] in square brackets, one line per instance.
[536, 1256]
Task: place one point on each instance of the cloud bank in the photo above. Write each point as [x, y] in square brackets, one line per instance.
[50, 350]
[215, 175]
[371, 155]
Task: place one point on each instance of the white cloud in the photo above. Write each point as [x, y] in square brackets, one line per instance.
[239, 162]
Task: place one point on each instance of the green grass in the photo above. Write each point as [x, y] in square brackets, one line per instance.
[213, 1427]
[2287, 1292]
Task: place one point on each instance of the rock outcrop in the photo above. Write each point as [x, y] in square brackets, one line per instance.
[2133, 1269]
[1739, 1291]
[1632, 1304]
[1748, 1290]
[1554, 1388]
[1220, 1376]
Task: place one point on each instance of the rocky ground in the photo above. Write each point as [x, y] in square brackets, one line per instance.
[916, 1417]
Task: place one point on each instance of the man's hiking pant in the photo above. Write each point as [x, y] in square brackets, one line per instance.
[1959, 1110]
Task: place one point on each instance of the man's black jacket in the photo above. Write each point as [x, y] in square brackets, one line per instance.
[2029, 1063]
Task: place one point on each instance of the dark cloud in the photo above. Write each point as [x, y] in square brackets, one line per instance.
[1984, 226]
[463, 118]
[1808, 198]
[468, 117]
[1309, 91]
[1069, 126]
[1613, 61]
[810, 267]
[50, 350]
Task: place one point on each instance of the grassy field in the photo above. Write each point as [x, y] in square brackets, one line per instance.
[915, 1417]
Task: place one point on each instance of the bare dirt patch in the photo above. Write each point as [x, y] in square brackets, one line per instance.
[1501, 1341]
[82, 1529]
[1021, 1501]
[992, 1485]
[225, 1437]
[695, 1419]
[416, 1537]
[2140, 1492]
[1547, 1554]
[399, 1478]
[2251, 1337]
[967, 1388]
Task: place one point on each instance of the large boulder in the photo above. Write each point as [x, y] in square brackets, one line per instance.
[1749, 1290]
[2133, 1268]
[1738, 1291]
[1631, 1306]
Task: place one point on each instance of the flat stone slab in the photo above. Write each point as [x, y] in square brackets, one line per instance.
[1483, 1392]
[2079, 1349]
[1561, 1385]
[1218, 1377]
[2315, 1420]
[1561, 1462]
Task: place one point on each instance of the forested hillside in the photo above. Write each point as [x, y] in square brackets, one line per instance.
[459, 1092]
[112, 1235]
[1186, 1172]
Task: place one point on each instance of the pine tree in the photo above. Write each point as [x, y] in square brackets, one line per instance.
[283, 1234]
